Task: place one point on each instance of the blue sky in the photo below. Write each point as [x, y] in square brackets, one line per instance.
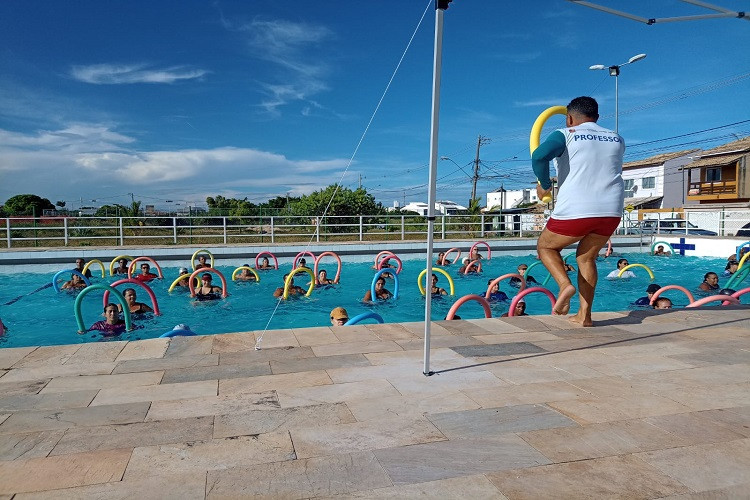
[179, 100]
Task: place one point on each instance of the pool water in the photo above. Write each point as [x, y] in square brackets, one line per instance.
[45, 317]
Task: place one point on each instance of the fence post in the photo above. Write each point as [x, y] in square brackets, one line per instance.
[272, 235]
[317, 228]
[174, 229]
[65, 230]
[7, 229]
[224, 224]
[360, 228]
[402, 227]
[482, 222]
[122, 237]
[443, 235]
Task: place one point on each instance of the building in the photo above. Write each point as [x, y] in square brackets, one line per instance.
[721, 175]
[502, 199]
[443, 207]
[658, 181]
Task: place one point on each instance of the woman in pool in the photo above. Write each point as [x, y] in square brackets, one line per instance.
[207, 291]
[264, 264]
[323, 279]
[293, 289]
[436, 291]
[441, 260]
[122, 267]
[467, 266]
[75, 283]
[112, 324]
[495, 294]
[620, 265]
[380, 292]
[245, 274]
[202, 262]
[135, 307]
[710, 282]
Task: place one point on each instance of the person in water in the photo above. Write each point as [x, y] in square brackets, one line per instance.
[146, 274]
[521, 269]
[661, 252]
[122, 267]
[75, 283]
[650, 291]
[731, 268]
[710, 282]
[441, 260]
[202, 264]
[662, 303]
[436, 291]
[135, 306]
[339, 316]
[495, 294]
[264, 264]
[111, 325]
[323, 278]
[245, 274]
[519, 310]
[302, 264]
[468, 266]
[207, 291]
[184, 274]
[80, 264]
[293, 289]
[380, 292]
[620, 265]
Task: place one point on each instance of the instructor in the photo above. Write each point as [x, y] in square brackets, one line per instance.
[589, 202]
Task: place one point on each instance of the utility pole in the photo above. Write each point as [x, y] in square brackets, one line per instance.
[480, 141]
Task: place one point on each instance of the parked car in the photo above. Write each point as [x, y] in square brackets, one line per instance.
[744, 232]
[674, 226]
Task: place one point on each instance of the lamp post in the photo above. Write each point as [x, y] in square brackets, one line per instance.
[615, 71]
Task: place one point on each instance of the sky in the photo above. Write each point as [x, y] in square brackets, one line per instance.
[177, 100]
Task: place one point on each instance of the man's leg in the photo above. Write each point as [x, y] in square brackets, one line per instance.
[549, 247]
[588, 251]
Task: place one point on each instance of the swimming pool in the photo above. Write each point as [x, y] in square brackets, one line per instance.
[46, 317]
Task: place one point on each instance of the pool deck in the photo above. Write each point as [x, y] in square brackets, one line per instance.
[642, 405]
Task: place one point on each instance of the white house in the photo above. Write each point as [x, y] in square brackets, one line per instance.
[657, 181]
[442, 207]
[504, 199]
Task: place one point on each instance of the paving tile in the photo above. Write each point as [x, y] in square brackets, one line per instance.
[437, 342]
[110, 437]
[717, 356]
[211, 405]
[704, 467]
[312, 364]
[42, 371]
[413, 405]
[233, 342]
[47, 355]
[416, 328]
[442, 357]
[475, 487]
[540, 392]
[277, 353]
[611, 477]
[97, 352]
[273, 382]
[308, 478]
[729, 493]
[216, 372]
[276, 338]
[505, 349]
[144, 349]
[214, 454]
[709, 398]
[22, 387]
[417, 384]
[189, 346]
[335, 393]
[524, 372]
[735, 419]
[464, 327]
[51, 401]
[360, 347]
[249, 422]
[28, 445]
[637, 365]
[40, 474]
[161, 392]
[190, 486]
[12, 355]
[61, 418]
[456, 458]
[491, 423]
[496, 326]
[607, 409]
[392, 331]
[354, 333]
[160, 364]
[526, 323]
[67, 384]
[358, 436]
[320, 335]
[515, 337]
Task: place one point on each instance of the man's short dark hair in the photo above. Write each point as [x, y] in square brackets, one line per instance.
[586, 106]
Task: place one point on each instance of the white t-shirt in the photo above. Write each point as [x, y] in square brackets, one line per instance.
[626, 274]
[589, 173]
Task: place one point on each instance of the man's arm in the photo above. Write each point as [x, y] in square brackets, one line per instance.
[553, 147]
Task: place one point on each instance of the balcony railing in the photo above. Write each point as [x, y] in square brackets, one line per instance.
[709, 188]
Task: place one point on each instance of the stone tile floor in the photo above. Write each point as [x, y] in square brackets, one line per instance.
[643, 405]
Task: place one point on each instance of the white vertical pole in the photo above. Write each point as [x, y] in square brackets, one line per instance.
[617, 99]
[438, 54]
[65, 230]
[174, 230]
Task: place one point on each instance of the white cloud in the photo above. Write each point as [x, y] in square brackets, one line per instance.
[113, 74]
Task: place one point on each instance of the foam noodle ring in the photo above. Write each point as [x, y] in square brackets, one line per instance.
[366, 315]
[302, 254]
[192, 260]
[725, 299]
[154, 304]
[177, 333]
[476, 264]
[93, 261]
[532, 266]
[317, 263]
[112, 264]
[739, 248]
[738, 277]
[445, 256]
[71, 271]
[180, 278]
[375, 279]
[149, 259]
[288, 281]
[536, 131]
[489, 250]
[485, 305]
[241, 268]
[672, 287]
[113, 291]
[644, 266]
[501, 278]
[738, 293]
[437, 270]
[388, 255]
[653, 245]
[257, 260]
[398, 261]
[742, 260]
[522, 294]
[565, 261]
[195, 274]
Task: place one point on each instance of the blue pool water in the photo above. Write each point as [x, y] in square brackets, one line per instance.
[46, 317]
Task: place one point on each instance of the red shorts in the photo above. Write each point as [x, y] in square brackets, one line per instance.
[603, 226]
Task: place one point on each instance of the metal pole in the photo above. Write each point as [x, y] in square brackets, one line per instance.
[617, 99]
[432, 182]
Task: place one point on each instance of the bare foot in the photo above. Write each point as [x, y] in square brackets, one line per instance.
[562, 306]
[576, 318]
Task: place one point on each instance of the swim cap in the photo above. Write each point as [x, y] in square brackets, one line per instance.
[183, 270]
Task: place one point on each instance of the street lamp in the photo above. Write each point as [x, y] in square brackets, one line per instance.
[615, 71]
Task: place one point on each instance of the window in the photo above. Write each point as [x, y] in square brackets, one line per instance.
[629, 183]
[649, 182]
[713, 174]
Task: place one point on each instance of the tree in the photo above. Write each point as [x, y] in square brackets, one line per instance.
[27, 204]
[344, 202]
[60, 204]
